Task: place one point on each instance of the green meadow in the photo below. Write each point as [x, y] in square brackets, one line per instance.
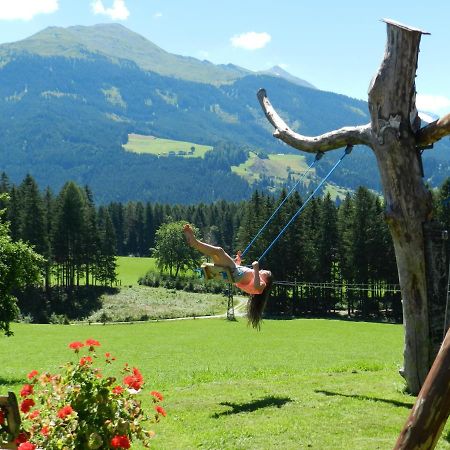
[138, 143]
[278, 166]
[130, 269]
[323, 384]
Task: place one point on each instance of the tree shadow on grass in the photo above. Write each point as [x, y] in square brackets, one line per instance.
[10, 381]
[408, 405]
[266, 402]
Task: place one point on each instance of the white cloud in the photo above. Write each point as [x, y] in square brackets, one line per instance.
[437, 104]
[251, 40]
[26, 9]
[157, 15]
[118, 11]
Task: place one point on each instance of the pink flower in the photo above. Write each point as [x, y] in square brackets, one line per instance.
[32, 374]
[65, 411]
[161, 410]
[26, 390]
[157, 396]
[76, 346]
[26, 405]
[26, 446]
[120, 441]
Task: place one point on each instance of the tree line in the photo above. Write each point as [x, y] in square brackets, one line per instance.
[330, 242]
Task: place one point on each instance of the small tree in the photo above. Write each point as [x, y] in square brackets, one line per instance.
[19, 267]
[172, 252]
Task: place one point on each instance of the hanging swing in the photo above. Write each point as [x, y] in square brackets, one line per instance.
[347, 151]
[210, 271]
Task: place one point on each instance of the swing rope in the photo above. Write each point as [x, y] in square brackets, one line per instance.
[317, 158]
[347, 151]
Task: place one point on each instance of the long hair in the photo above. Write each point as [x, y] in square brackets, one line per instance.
[257, 303]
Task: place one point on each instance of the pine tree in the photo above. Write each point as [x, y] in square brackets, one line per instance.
[89, 238]
[106, 264]
[33, 227]
[68, 235]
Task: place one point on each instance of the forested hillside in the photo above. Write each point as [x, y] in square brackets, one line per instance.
[67, 118]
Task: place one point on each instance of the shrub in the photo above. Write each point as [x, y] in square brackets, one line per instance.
[82, 409]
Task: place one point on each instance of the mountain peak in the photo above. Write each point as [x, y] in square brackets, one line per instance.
[116, 42]
[277, 71]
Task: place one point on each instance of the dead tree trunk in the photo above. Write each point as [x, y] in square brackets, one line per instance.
[432, 407]
[395, 138]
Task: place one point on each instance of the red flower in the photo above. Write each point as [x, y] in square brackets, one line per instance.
[85, 360]
[76, 346]
[26, 405]
[45, 430]
[26, 390]
[120, 441]
[32, 374]
[117, 390]
[26, 446]
[157, 396]
[161, 410]
[134, 381]
[65, 411]
[22, 437]
[91, 343]
[34, 414]
[2, 417]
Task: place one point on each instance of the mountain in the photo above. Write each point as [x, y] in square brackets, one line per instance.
[70, 97]
[116, 43]
[277, 71]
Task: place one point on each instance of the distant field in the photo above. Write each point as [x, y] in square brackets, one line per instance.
[130, 269]
[277, 166]
[138, 143]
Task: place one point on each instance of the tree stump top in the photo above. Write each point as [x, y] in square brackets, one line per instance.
[405, 27]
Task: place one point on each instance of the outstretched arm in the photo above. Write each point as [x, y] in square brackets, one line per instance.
[257, 284]
[328, 141]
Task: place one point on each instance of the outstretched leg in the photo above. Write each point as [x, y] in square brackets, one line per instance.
[218, 254]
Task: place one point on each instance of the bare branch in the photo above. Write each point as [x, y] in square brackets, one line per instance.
[433, 131]
[324, 142]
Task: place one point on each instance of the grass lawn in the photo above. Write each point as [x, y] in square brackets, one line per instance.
[323, 384]
[130, 269]
[138, 143]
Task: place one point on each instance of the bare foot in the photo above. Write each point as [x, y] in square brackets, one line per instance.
[189, 234]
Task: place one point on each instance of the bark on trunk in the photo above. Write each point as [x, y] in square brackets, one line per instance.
[408, 202]
[432, 407]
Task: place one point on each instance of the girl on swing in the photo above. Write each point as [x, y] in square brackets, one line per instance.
[253, 281]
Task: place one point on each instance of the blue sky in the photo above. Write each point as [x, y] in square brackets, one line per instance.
[337, 46]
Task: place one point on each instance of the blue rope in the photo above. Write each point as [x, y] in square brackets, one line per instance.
[348, 149]
[317, 158]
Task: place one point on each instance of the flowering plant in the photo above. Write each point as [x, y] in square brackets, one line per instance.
[82, 409]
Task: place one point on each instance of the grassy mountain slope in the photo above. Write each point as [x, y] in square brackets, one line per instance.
[116, 42]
